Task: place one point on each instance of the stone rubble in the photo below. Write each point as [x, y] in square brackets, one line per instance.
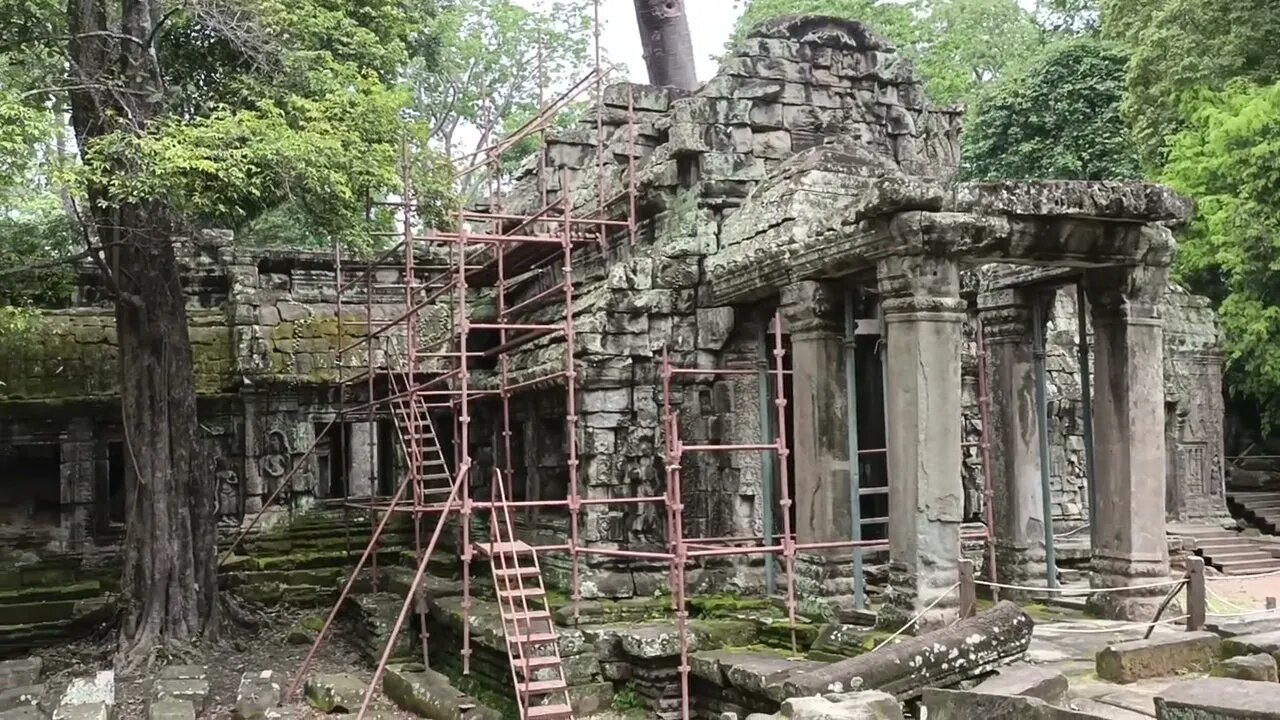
[89, 698]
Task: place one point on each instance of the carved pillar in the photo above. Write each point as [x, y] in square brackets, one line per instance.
[813, 312]
[361, 459]
[923, 313]
[1129, 431]
[1015, 451]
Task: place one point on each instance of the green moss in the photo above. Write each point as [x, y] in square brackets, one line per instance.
[314, 623]
[715, 607]
[722, 633]
[628, 699]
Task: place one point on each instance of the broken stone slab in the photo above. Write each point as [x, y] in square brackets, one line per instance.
[337, 692]
[970, 648]
[26, 712]
[1218, 699]
[22, 672]
[171, 709]
[866, 705]
[184, 672]
[87, 711]
[429, 694]
[27, 695]
[942, 704]
[1237, 628]
[1259, 668]
[257, 696]
[1027, 680]
[1134, 660]
[192, 690]
[1267, 642]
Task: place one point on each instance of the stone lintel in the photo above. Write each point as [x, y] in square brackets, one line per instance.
[1110, 200]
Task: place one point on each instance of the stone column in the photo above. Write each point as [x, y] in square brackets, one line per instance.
[1129, 435]
[923, 312]
[1015, 444]
[362, 454]
[819, 442]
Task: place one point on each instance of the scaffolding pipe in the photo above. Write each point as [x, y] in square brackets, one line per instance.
[767, 457]
[1086, 409]
[1042, 420]
[851, 428]
[988, 486]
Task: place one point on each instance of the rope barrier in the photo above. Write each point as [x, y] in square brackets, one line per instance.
[916, 619]
[1080, 591]
[1225, 578]
[1112, 629]
[1242, 611]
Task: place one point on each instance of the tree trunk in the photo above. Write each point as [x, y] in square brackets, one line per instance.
[668, 48]
[169, 586]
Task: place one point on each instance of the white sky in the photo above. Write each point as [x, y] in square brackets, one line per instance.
[710, 22]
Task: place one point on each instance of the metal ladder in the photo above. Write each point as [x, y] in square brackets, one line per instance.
[532, 643]
[422, 448]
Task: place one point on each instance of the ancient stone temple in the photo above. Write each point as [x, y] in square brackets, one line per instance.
[812, 180]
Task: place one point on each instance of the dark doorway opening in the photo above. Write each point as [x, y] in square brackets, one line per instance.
[30, 491]
[331, 455]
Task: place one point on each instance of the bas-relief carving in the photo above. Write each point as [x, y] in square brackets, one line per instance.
[274, 462]
[228, 484]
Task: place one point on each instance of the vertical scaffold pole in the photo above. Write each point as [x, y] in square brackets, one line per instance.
[1042, 417]
[767, 457]
[851, 407]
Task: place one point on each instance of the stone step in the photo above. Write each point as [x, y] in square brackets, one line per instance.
[1236, 557]
[1224, 546]
[1250, 567]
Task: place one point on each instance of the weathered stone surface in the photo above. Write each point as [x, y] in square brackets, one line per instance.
[25, 712]
[1112, 200]
[335, 693]
[1260, 668]
[28, 695]
[1158, 657]
[1267, 643]
[1244, 627]
[192, 690]
[1029, 680]
[867, 705]
[431, 695]
[969, 648]
[171, 709]
[185, 672]
[85, 696]
[85, 711]
[21, 672]
[259, 692]
[959, 705]
[1219, 699]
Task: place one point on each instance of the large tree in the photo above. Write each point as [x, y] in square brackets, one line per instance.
[668, 47]
[187, 114]
[1057, 118]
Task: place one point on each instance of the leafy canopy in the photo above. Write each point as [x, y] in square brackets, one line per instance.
[1228, 159]
[1057, 118]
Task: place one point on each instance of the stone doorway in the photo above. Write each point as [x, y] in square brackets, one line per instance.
[30, 493]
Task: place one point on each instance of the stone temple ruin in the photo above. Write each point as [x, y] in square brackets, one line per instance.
[692, 324]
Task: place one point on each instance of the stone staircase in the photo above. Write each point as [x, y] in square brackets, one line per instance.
[1229, 552]
[52, 601]
[1260, 509]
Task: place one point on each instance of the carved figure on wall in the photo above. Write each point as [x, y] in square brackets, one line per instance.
[228, 488]
[275, 461]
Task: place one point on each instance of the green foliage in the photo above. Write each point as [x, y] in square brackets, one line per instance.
[627, 699]
[1057, 118]
[893, 20]
[34, 234]
[1182, 47]
[1228, 159]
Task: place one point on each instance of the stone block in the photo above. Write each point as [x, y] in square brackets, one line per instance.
[1267, 642]
[430, 695]
[960, 705]
[1027, 680]
[25, 696]
[90, 693]
[20, 673]
[185, 672]
[1158, 657]
[259, 693]
[171, 709]
[87, 711]
[335, 693]
[1260, 667]
[1219, 699]
[192, 690]
[25, 712]
[867, 705]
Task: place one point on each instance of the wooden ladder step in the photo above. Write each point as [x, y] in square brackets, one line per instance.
[516, 593]
[502, 548]
[542, 687]
[549, 711]
[534, 663]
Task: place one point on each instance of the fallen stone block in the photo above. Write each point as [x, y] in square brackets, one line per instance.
[1259, 668]
[1219, 699]
[86, 711]
[1029, 680]
[1158, 657]
[868, 705]
[26, 712]
[962, 705]
[88, 698]
[431, 695]
[1268, 643]
[171, 709]
[1236, 628]
[335, 693]
[185, 672]
[257, 696]
[20, 673]
[970, 648]
[28, 695]
[192, 690]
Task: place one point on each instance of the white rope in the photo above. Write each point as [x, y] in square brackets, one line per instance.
[1080, 591]
[1226, 578]
[1242, 611]
[916, 619]
[1112, 629]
